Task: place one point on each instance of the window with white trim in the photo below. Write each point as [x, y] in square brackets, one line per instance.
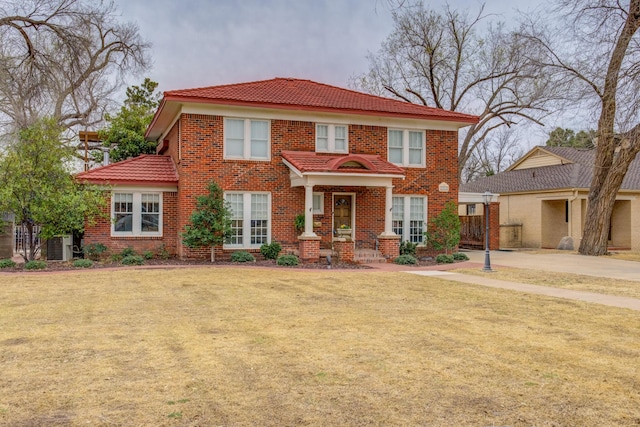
[332, 138]
[409, 217]
[246, 139]
[250, 219]
[136, 213]
[406, 148]
[318, 203]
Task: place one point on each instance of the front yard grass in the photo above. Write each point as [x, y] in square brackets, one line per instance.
[239, 347]
[576, 282]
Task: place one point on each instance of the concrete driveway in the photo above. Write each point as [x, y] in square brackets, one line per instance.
[562, 263]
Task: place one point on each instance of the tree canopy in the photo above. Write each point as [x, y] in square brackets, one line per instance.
[594, 45]
[124, 134]
[560, 137]
[36, 185]
[63, 59]
[461, 62]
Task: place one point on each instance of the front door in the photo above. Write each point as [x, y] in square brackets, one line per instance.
[342, 211]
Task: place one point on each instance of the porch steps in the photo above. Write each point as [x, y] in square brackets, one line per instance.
[368, 256]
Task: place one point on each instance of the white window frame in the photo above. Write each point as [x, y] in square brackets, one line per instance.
[136, 226]
[318, 210]
[331, 138]
[405, 236]
[246, 220]
[406, 149]
[246, 148]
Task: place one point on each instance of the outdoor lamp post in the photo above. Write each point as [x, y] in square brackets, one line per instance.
[486, 197]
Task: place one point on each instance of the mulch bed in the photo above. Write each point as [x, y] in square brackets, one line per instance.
[322, 265]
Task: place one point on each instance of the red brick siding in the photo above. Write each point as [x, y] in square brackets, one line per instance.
[200, 139]
[101, 232]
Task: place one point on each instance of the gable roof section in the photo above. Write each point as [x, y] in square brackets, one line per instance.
[145, 170]
[575, 173]
[307, 162]
[298, 94]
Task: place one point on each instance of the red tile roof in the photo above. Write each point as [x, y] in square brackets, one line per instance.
[308, 95]
[148, 169]
[306, 162]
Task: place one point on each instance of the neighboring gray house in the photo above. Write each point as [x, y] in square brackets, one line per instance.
[543, 197]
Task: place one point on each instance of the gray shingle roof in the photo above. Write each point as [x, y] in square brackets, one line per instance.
[577, 174]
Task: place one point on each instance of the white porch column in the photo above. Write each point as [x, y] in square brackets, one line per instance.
[388, 215]
[308, 211]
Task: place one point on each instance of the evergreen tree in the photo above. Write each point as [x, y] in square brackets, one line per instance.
[124, 134]
[210, 222]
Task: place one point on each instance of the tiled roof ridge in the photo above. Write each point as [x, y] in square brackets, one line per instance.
[120, 163]
[184, 92]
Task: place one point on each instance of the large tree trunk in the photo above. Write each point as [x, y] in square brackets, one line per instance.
[614, 155]
[602, 197]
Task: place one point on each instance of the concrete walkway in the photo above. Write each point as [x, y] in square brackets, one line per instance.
[610, 300]
[563, 263]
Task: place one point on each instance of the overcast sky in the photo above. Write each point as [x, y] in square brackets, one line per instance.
[198, 43]
[210, 42]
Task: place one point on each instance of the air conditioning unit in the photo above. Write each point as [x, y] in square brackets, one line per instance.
[60, 248]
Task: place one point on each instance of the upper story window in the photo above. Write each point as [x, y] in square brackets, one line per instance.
[246, 139]
[406, 148]
[136, 214]
[332, 138]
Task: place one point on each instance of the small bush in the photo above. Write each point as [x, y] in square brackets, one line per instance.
[270, 251]
[406, 260]
[408, 248]
[288, 260]
[7, 263]
[444, 259]
[132, 260]
[148, 254]
[459, 256]
[93, 251]
[162, 252]
[115, 258]
[128, 252]
[35, 265]
[83, 263]
[242, 256]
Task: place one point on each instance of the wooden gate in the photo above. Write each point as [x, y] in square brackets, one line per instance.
[472, 232]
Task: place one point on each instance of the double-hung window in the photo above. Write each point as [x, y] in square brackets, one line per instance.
[409, 216]
[246, 139]
[332, 138]
[406, 148]
[250, 219]
[136, 213]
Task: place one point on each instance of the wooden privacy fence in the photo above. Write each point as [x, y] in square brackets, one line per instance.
[472, 232]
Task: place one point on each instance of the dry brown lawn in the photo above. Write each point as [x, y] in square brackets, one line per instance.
[576, 282]
[250, 347]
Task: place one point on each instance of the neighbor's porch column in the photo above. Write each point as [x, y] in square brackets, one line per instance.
[388, 215]
[308, 211]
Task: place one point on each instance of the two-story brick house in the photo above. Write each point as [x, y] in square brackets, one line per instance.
[280, 148]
